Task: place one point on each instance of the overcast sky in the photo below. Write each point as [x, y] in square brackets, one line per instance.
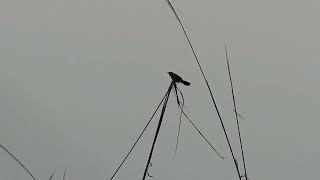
[80, 78]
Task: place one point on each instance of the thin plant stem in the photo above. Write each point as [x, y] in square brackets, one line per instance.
[52, 175]
[158, 129]
[17, 160]
[201, 134]
[235, 110]
[211, 94]
[192, 123]
[64, 174]
[239, 115]
[179, 127]
[144, 129]
[148, 174]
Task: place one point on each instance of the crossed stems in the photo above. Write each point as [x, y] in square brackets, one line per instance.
[181, 105]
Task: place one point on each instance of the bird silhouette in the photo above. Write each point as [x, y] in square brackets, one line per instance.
[177, 79]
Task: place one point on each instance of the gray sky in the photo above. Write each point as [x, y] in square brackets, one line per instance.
[80, 78]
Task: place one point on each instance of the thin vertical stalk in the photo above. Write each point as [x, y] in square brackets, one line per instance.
[158, 129]
[211, 94]
[64, 174]
[235, 112]
[181, 106]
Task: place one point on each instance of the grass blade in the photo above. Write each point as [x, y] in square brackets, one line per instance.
[52, 175]
[179, 127]
[64, 174]
[17, 160]
[236, 113]
[208, 86]
[199, 132]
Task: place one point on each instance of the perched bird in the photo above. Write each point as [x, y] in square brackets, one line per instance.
[177, 79]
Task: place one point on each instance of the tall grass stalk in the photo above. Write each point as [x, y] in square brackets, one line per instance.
[64, 174]
[52, 174]
[135, 143]
[235, 112]
[208, 86]
[158, 129]
[17, 160]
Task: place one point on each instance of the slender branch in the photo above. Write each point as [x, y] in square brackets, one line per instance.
[235, 110]
[64, 174]
[158, 129]
[144, 129]
[206, 81]
[148, 174]
[17, 160]
[52, 174]
[179, 127]
[191, 122]
[239, 115]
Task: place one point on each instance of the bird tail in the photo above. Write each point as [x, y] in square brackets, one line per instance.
[185, 83]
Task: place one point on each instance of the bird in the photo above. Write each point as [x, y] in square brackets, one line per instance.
[177, 79]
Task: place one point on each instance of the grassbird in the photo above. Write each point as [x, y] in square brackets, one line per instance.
[177, 79]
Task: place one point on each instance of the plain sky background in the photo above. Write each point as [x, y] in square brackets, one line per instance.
[80, 78]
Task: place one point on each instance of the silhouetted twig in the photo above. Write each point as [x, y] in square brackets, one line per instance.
[206, 81]
[158, 129]
[236, 113]
[64, 174]
[148, 174]
[181, 106]
[23, 166]
[191, 122]
[245, 176]
[144, 129]
[52, 174]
